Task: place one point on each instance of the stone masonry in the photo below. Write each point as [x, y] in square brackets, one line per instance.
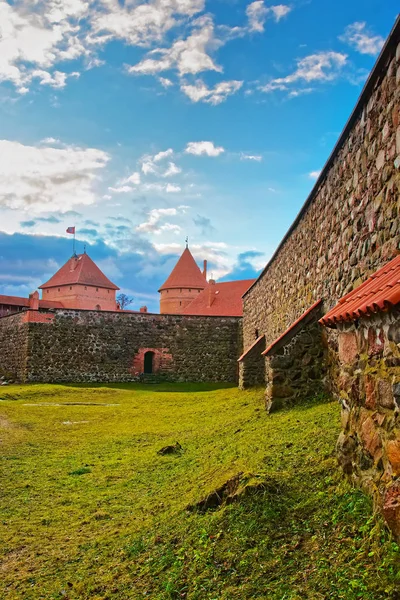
[77, 345]
[368, 382]
[13, 347]
[252, 364]
[296, 370]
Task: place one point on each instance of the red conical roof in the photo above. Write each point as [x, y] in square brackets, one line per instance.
[82, 270]
[185, 274]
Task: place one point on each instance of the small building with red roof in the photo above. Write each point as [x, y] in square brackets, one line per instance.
[79, 283]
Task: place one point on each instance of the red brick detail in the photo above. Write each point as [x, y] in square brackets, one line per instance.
[348, 347]
[162, 360]
[34, 316]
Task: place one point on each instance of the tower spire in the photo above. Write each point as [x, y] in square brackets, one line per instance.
[187, 242]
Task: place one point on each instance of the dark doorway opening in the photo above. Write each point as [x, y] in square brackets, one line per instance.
[148, 362]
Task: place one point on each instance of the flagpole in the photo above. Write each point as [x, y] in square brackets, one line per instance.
[74, 253]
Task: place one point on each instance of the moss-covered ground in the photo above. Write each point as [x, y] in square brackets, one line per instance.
[89, 509]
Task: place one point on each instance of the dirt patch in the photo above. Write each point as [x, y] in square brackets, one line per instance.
[172, 449]
[5, 423]
[237, 487]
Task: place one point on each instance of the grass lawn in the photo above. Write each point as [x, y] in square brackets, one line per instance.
[89, 509]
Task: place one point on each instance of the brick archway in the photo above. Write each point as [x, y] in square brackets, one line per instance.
[159, 359]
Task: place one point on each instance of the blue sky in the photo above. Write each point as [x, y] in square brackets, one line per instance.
[143, 122]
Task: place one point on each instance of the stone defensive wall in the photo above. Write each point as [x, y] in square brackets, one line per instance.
[348, 227]
[93, 346]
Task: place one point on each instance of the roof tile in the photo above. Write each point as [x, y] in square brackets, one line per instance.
[379, 292]
[82, 270]
[220, 299]
[185, 274]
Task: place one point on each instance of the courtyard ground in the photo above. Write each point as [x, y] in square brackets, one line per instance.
[89, 509]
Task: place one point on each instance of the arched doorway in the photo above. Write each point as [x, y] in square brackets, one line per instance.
[148, 361]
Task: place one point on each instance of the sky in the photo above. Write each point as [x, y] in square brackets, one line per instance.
[141, 123]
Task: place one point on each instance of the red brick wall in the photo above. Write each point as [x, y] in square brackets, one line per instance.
[173, 301]
[82, 297]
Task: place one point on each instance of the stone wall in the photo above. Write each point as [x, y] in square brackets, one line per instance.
[350, 224]
[77, 345]
[297, 369]
[13, 347]
[252, 365]
[369, 388]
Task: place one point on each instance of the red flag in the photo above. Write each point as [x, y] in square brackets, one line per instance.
[71, 230]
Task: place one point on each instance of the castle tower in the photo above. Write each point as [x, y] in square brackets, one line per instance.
[81, 284]
[183, 285]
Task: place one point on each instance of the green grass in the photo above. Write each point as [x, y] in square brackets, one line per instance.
[90, 510]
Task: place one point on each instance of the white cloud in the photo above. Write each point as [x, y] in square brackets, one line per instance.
[152, 225]
[188, 56]
[123, 189]
[300, 92]
[165, 82]
[171, 188]
[199, 92]
[33, 41]
[56, 80]
[357, 36]
[257, 14]
[172, 169]
[143, 24]
[255, 157]
[280, 11]
[50, 140]
[204, 148]
[162, 155]
[314, 174]
[319, 67]
[153, 165]
[43, 178]
[134, 179]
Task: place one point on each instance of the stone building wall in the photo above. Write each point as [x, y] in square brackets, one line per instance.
[13, 347]
[350, 224]
[76, 345]
[369, 386]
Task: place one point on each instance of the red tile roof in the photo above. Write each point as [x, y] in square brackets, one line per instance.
[80, 270]
[220, 299]
[185, 274]
[292, 330]
[19, 301]
[379, 292]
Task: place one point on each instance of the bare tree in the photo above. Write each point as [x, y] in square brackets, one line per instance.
[124, 300]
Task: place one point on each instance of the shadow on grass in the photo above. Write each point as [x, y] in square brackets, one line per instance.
[183, 388]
